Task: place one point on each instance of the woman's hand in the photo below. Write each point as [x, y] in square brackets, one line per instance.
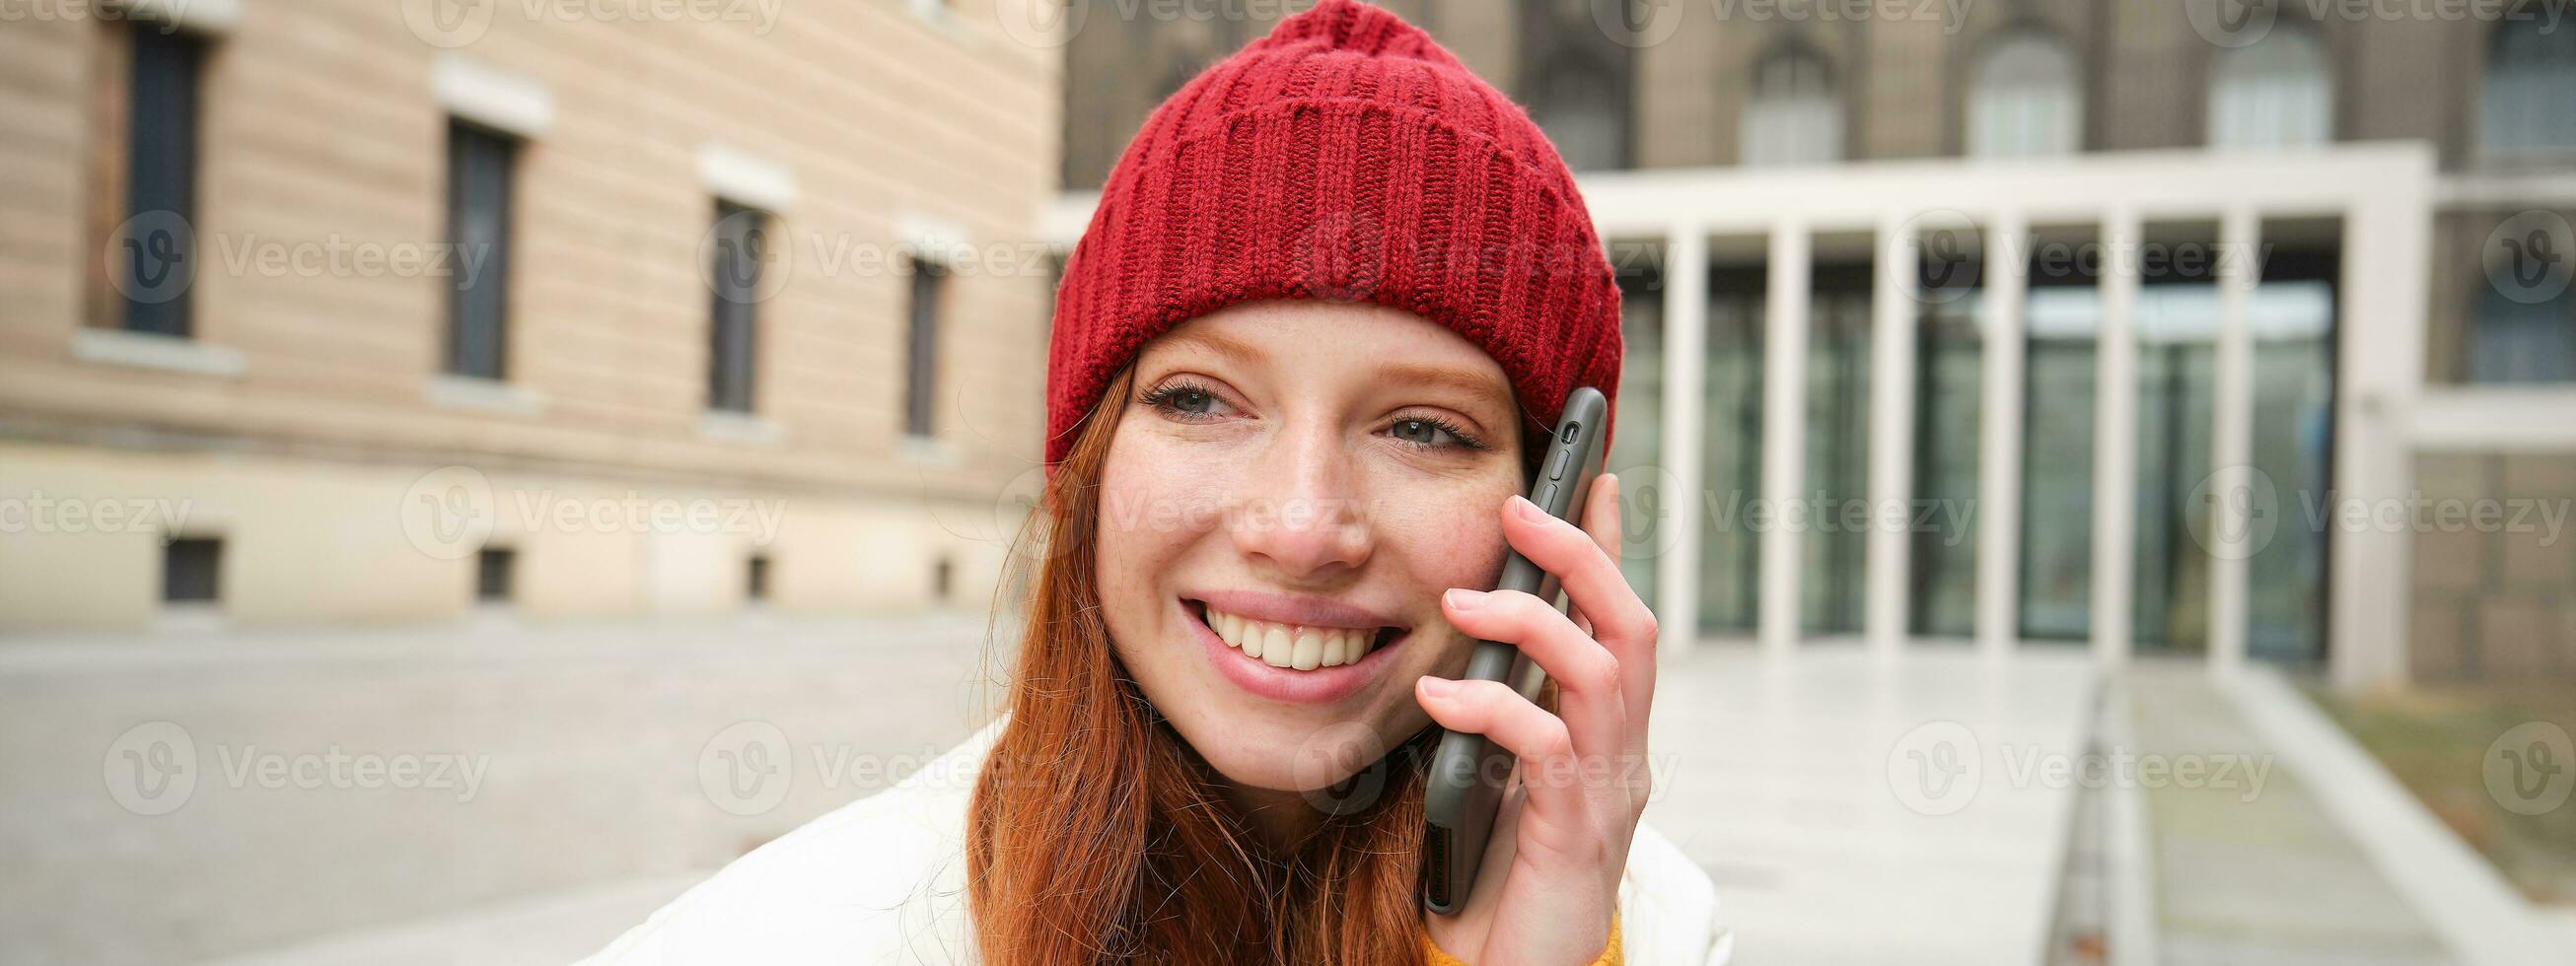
[1549, 882]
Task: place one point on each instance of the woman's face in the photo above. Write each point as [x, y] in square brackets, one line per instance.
[1300, 480]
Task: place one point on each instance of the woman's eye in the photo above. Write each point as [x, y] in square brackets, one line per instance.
[1187, 402]
[1422, 432]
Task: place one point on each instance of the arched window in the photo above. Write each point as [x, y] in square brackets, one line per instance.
[1794, 116]
[1578, 107]
[2275, 92]
[2024, 100]
[2527, 107]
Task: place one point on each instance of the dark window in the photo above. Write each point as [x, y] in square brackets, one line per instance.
[1578, 77]
[756, 586]
[493, 569]
[943, 579]
[190, 567]
[2519, 340]
[921, 371]
[741, 239]
[2524, 109]
[161, 187]
[479, 162]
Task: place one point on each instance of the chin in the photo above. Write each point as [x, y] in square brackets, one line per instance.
[1291, 753]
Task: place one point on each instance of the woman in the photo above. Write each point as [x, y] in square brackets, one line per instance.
[1332, 295]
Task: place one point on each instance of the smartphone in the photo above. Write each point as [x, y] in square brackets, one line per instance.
[1468, 771]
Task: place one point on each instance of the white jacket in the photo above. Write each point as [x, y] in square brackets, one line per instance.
[883, 880]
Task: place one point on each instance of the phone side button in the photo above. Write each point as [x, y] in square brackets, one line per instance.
[1547, 498]
[1556, 465]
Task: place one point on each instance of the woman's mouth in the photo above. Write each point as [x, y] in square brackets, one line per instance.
[1297, 663]
[1300, 646]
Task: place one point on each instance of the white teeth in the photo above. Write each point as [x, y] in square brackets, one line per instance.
[1292, 645]
[1310, 649]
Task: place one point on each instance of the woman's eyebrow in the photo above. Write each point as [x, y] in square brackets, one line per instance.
[1232, 349]
[1482, 388]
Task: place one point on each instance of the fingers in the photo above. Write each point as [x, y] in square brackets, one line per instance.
[1493, 709]
[1586, 562]
[1587, 675]
[1590, 575]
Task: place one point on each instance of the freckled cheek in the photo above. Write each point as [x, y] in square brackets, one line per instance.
[1153, 505]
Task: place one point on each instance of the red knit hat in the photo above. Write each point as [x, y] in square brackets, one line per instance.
[1344, 156]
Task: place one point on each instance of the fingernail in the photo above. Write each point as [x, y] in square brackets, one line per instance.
[1438, 687]
[1529, 511]
[1462, 598]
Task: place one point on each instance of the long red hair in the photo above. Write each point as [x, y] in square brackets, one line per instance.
[1096, 835]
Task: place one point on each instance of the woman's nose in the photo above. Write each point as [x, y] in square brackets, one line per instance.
[1301, 510]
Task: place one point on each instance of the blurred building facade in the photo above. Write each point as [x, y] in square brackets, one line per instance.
[345, 312]
[2294, 438]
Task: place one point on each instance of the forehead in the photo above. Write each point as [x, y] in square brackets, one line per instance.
[1383, 344]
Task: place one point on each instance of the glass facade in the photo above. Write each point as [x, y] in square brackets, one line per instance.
[1731, 452]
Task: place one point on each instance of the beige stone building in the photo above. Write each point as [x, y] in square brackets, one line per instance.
[353, 312]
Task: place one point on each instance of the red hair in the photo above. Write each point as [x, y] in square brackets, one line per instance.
[1097, 835]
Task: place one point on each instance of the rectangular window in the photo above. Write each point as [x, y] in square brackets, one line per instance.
[479, 163]
[155, 260]
[921, 371]
[756, 581]
[190, 570]
[741, 237]
[494, 567]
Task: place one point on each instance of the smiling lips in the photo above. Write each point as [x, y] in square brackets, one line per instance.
[1300, 646]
